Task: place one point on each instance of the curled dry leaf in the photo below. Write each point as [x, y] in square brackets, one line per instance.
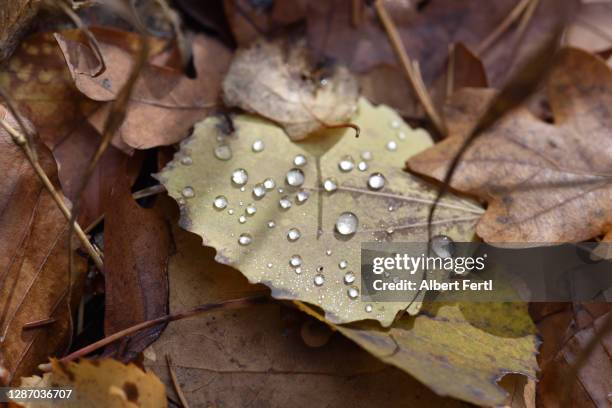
[103, 383]
[164, 103]
[33, 261]
[256, 197]
[256, 356]
[457, 350]
[544, 182]
[277, 80]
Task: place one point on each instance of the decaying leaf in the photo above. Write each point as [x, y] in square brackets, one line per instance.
[457, 350]
[544, 182]
[255, 356]
[137, 247]
[15, 16]
[256, 197]
[103, 383]
[592, 28]
[164, 103]
[33, 261]
[277, 81]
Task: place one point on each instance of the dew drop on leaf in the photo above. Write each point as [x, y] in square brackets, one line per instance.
[362, 166]
[259, 191]
[186, 160]
[269, 184]
[223, 152]
[295, 177]
[284, 203]
[271, 224]
[352, 292]
[245, 239]
[330, 185]
[349, 278]
[319, 279]
[250, 210]
[258, 146]
[220, 202]
[242, 219]
[295, 261]
[443, 246]
[366, 155]
[188, 192]
[302, 196]
[240, 177]
[346, 164]
[392, 145]
[342, 264]
[293, 234]
[347, 223]
[300, 160]
[376, 181]
[368, 308]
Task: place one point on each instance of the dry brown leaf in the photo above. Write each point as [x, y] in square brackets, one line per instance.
[137, 247]
[256, 356]
[566, 331]
[33, 261]
[278, 81]
[103, 383]
[544, 182]
[164, 103]
[15, 16]
[592, 28]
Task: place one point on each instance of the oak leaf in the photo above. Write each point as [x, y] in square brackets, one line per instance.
[544, 182]
[256, 197]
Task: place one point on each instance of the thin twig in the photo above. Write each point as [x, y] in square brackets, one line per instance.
[513, 16]
[175, 383]
[38, 323]
[224, 305]
[413, 75]
[20, 140]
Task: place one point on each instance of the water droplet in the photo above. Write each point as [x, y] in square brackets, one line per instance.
[250, 210]
[295, 177]
[302, 196]
[342, 264]
[300, 160]
[401, 135]
[188, 192]
[259, 191]
[284, 203]
[269, 265]
[271, 224]
[298, 270]
[230, 211]
[241, 203]
[293, 234]
[394, 124]
[330, 185]
[258, 146]
[362, 166]
[328, 252]
[223, 152]
[349, 278]
[366, 155]
[280, 190]
[319, 280]
[245, 239]
[352, 292]
[269, 184]
[181, 201]
[220, 202]
[242, 219]
[368, 308]
[295, 261]
[392, 145]
[346, 164]
[240, 177]
[347, 223]
[376, 181]
[391, 208]
[443, 246]
[390, 230]
[186, 160]
[243, 189]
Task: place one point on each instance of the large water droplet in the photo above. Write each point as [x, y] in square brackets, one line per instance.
[330, 185]
[443, 246]
[284, 203]
[392, 145]
[186, 160]
[300, 160]
[188, 192]
[295, 261]
[223, 152]
[349, 278]
[293, 234]
[346, 164]
[295, 177]
[245, 239]
[220, 202]
[250, 210]
[347, 223]
[302, 196]
[376, 181]
[319, 279]
[352, 292]
[269, 183]
[240, 177]
[258, 146]
[259, 191]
